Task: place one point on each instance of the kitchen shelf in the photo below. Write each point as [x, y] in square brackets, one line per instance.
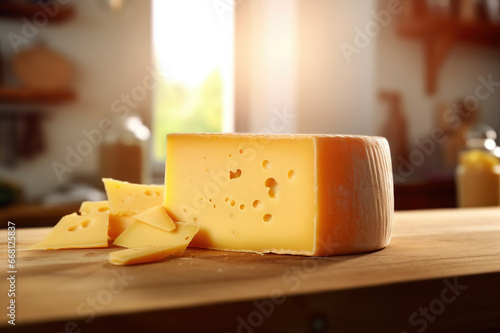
[440, 34]
[17, 10]
[35, 96]
[36, 214]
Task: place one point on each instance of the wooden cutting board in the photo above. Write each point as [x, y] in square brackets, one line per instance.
[53, 285]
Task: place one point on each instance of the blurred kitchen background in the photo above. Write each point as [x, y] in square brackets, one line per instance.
[91, 88]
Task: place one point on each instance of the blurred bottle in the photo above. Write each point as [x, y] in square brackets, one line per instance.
[395, 128]
[478, 172]
[456, 121]
[123, 155]
[468, 10]
[493, 9]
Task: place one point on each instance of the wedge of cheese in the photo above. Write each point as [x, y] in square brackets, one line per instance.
[315, 195]
[141, 234]
[128, 199]
[117, 223]
[88, 207]
[77, 231]
[142, 255]
[157, 217]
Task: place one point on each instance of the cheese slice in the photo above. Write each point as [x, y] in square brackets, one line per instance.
[141, 255]
[77, 231]
[314, 195]
[128, 199]
[141, 234]
[117, 223]
[157, 217]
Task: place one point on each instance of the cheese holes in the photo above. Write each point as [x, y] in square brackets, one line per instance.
[86, 223]
[103, 209]
[230, 202]
[81, 225]
[266, 165]
[241, 151]
[273, 186]
[234, 175]
[242, 207]
[75, 228]
[257, 204]
[291, 175]
[267, 218]
[150, 193]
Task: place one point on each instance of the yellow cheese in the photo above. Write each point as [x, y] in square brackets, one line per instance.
[157, 217]
[128, 199]
[141, 234]
[314, 195]
[75, 231]
[94, 206]
[141, 255]
[117, 223]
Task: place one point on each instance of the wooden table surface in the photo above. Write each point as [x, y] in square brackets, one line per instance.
[429, 251]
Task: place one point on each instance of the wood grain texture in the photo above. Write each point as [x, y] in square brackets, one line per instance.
[426, 245]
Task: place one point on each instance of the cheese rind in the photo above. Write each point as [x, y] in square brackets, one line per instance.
[315, 195]
[77, 231]
[142, 255]
[128, 199]
[355, 194]
[141, 234]
[157, 217]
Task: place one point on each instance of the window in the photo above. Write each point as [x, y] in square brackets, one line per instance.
[193, 50]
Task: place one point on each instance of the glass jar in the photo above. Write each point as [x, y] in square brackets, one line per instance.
[478, 172]
[123, 155]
